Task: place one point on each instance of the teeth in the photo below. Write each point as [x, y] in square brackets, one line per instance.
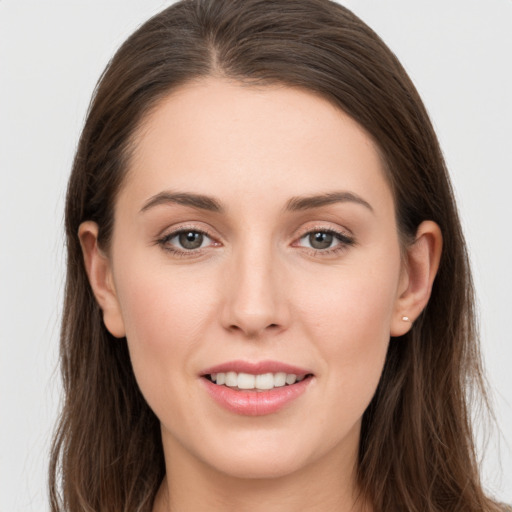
[291, 378]
[279, 379]
[264, 381]
[246, 381]
[232, 379]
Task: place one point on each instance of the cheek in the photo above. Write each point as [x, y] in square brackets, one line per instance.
[159, 301]
[164, 313]
[354, 305]
[351, 326]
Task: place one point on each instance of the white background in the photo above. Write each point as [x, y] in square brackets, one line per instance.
[458, 53]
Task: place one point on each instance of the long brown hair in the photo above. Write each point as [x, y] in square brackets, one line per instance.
[416, 451]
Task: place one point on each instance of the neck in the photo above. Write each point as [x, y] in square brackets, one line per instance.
[327, 485]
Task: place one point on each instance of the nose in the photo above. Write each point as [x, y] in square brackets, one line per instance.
[255, 302]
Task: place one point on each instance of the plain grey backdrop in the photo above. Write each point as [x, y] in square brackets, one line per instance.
[458, 53]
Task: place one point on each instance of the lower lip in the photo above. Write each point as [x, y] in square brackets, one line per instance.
[255, 403]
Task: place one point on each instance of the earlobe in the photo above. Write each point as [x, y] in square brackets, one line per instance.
[99, 272]
[420, 269]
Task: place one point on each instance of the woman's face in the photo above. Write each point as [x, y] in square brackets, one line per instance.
[255, 234]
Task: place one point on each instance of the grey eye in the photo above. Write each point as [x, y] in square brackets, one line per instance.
[191, 239]
[186, 241]
[320, 240]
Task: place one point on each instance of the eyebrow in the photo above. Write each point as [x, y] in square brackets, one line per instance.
[317, 201]
[198, 201]
[203, 202]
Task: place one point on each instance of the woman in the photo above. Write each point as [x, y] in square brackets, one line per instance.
[268, 299]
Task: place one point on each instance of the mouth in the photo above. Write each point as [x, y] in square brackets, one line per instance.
[241, 381]
[256, 388]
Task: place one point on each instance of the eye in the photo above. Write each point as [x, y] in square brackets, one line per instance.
[319, 240]
[190, 239]
[325, 240]
[186, 240]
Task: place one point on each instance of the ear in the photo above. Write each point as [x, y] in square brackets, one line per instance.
[419, 270]
[99, 272]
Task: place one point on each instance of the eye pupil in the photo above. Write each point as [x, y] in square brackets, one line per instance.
[320, 240]
[191, 239]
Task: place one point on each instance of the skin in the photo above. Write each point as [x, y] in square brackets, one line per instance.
[256, 290]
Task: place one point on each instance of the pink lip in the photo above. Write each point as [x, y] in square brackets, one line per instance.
[255, 403]
[255, 368]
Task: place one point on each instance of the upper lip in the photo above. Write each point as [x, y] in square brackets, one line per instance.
[255, 368]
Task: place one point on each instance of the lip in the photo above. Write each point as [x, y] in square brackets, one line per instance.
[256, 403]
[255, 368]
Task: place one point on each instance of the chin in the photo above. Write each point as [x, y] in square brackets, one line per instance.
[269, 456]
[259, 466]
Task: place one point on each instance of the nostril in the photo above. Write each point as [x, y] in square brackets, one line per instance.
[252, 332]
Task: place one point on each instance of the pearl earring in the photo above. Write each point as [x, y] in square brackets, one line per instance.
[406, 319]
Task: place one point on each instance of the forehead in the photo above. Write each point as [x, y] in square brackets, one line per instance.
[221, 137]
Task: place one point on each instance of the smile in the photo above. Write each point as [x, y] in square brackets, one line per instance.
[256, 389]
[261, 382]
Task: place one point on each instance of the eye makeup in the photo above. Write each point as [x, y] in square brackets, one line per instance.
[325, 242]
[191, 241]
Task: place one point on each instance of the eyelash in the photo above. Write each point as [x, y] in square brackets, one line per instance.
[182, 253]
[344, 241]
